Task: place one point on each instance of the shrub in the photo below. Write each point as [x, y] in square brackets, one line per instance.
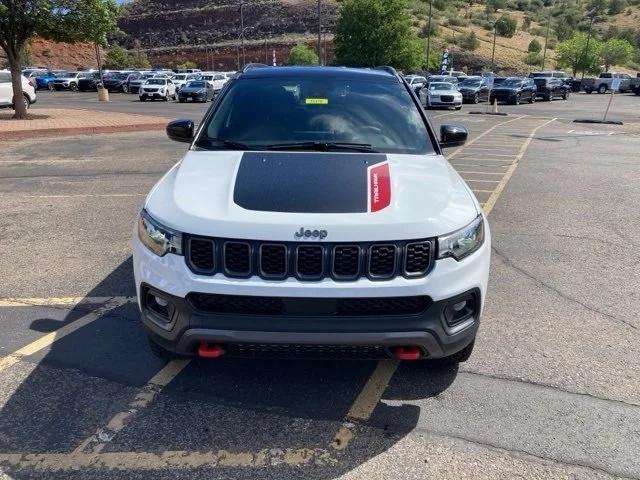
[469, 41]
[526, 23]
[424, 31]
[534, 46]
[538, 31]
[506, 26]
[303, 54]
[457, 22]
[533, 58]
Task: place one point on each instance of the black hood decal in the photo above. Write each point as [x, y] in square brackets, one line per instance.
[305, 182]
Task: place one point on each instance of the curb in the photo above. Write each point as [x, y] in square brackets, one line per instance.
[70, 131]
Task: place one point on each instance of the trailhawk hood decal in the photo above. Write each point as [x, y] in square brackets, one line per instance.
[351, 196]
[312, 182]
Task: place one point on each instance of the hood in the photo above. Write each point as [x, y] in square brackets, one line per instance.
[271, 195]
[506, 89]
[469, 89]
[437, 93]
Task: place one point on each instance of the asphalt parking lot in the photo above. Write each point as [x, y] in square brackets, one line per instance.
[551, 391]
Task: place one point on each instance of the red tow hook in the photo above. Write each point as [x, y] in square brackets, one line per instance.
[210, 351]
[407, 353]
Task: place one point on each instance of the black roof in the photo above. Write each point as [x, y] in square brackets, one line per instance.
[320, 72]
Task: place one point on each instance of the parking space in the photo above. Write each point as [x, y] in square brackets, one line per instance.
[552, 390]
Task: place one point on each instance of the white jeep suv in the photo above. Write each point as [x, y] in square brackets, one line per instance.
[313, 214]
[29, 96]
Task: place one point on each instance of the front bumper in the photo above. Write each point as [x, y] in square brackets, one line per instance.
[438, 103]
[189, 324]
[152, 95]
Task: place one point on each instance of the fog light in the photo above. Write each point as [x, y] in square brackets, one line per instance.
[160, 307]
[460, 310]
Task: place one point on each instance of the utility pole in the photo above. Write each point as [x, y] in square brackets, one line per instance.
[429, 37]
[493, 54]
[546, 38]
[244, 58]
[324, 48]
[319, 34]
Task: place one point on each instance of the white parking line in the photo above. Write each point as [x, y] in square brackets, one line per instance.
[480, 173]
[77, 195]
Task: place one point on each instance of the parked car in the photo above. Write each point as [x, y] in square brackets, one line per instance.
[634, 85]
[514, 90]
[217, 80]
[134, 84]
[157, 88]
[604, 83]
[441, 94]
[45, 81]
[70, 80]
[416, 82]
[90, 82]
[196, 91]
[182, 78]
[497, 81]
[6, 91]
[441, 79]
[119, 82]
[278, 233]
[549, 88]
[474, 90]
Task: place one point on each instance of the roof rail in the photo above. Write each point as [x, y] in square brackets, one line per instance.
[249, 66]
[387, 69]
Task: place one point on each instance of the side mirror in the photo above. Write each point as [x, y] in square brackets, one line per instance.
[452, 136]
[180, 130]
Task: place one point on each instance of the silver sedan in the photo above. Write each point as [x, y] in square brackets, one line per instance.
[441, 94]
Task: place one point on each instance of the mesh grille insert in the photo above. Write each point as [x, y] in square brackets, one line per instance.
[382, 261]
[201, 254]
[309, 261]
[417, 258]
[273, 260]
[237, 258]
[346, 261]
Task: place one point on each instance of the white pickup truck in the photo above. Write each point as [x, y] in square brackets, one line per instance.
[604, 83]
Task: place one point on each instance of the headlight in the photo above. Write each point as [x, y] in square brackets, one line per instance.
[463, 242]
[158, 238]
[162, 90]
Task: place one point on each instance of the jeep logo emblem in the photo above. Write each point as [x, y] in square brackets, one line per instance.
[310, 234]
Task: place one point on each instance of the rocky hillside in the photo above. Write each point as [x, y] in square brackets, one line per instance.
[57, 55]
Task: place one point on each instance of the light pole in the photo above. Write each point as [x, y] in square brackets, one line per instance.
[241, 38]
[546, 38]
[429, 37]
[493, 54]
[592, 14]
[244, 60]
[319, 34]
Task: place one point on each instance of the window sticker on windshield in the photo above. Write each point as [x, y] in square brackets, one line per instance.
[316, 101]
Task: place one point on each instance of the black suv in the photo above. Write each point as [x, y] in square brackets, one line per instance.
[514, 90]
[474, 90]
[89, 83]
[550, 88]
[119, 82]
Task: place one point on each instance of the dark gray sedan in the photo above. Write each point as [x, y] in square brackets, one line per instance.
[197, 91]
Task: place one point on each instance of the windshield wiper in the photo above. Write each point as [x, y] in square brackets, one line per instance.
[223, 143]
[322, 146]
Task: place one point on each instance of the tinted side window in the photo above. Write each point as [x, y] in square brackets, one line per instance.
[5, 77]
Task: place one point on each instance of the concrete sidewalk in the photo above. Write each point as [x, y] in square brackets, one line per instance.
[58, 121]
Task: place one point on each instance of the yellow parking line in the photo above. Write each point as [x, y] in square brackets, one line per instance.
[482, 191]
[135, 461]
[481, 181]
[494, 196]
[481, 173]
[63, 301]
[47, 340]
[147, 394]
[482, 135]
[80, 195]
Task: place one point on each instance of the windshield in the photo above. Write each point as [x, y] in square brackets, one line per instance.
[207, 77]
[117, 76]
[441, 86]
[67, 74]
[156, 81]
[197, 85]
[512, 82]
[180, 77]
[262, 113]
[471, 82]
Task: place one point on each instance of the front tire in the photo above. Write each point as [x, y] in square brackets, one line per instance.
[125, 89]
[458, 357]
[602, 89]
[476, 98]
[73, 87]
[50, 86]
[565, 95]
[517, 100]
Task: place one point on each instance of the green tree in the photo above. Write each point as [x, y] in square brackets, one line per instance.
[61, 20]
[574, 54]
[139, 59]
[377, 32]
[117, 58]
[506, 26]
[532, 58]
[534, 46]
[303, 54]
[616, 52]
[616, 6]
